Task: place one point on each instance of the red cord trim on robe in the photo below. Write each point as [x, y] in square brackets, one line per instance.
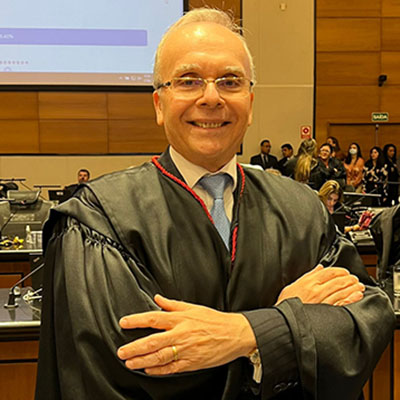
[183, 184]
[193, 193]
[234, 244]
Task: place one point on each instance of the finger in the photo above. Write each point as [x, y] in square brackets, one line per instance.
[319, 267]
[146, 345]
[171, 368]
[350, 294]
[156, 359]
[152, 319]
[171, 305]
[353, 298]
[330, 273]
[338, 283]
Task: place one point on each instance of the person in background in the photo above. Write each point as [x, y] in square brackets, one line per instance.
[336, 150]
[83, 176]
[169, 292]
[304, 166]
[265, 159]
[390, 155]
[330, 194]
[287, 154]
[354, 164]
[329, 167]
[375, 176]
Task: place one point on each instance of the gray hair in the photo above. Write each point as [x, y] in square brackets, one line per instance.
[203, 14]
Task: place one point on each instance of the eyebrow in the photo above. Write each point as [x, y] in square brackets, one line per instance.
[184, 68]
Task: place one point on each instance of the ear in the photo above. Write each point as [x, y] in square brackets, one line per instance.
[158, 108]
[250, 120]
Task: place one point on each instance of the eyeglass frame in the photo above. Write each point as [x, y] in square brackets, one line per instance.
[168, 84]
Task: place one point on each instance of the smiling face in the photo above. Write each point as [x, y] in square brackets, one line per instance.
[324, 153]
[208, 129]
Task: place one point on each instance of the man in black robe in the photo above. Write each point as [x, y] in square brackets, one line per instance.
[257, 317]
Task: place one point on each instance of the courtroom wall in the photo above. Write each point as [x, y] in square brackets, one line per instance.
[93, 130]
[357, 41]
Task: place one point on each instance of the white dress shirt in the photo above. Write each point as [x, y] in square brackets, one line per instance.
[192, 174]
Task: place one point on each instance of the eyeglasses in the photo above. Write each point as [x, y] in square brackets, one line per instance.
[194, 86]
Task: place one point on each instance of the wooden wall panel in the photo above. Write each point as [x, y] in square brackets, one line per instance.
[391, 102]
[389, 133]
[73, 137]
[396, 364]
[130, 106]
[348, 8]
[390, 8]
[345, 68]
[344, 102]
[19, 136]
[19, 350]
[77, 105]
[348, 34]
[363, 134]
[18, 105]
[391, 34]
[138, 136]
[8, 280]
[366, 135]
[391, 67]
[17, 380]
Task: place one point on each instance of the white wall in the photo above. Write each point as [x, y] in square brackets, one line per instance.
[280, 35]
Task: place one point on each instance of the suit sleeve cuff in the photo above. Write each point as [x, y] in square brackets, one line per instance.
[275, 344]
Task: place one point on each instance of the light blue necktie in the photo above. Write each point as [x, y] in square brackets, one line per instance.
[215, 186]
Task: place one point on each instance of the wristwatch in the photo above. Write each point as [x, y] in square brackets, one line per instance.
[255, 360]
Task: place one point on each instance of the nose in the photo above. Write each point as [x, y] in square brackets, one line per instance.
[211, 96]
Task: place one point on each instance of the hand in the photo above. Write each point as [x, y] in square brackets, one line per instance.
[194, 337]
[332, 285]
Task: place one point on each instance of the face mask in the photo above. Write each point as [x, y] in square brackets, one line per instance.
[353, 151]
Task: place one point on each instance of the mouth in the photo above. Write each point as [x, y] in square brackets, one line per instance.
[209, 125]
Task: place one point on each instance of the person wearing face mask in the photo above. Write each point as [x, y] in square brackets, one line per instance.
[375, 176]
[354, 164]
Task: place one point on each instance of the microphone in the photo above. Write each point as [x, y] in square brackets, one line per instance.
[12, 293]
[357, 196]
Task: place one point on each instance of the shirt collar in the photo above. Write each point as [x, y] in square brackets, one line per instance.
[192, 173]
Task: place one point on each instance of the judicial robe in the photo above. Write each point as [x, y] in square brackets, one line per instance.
[129, 235]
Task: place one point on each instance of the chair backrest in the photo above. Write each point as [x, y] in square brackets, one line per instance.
[6, 186]
[385, 229]
[23, 197]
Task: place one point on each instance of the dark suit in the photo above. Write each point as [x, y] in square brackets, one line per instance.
[282, 163]
[270, 162]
